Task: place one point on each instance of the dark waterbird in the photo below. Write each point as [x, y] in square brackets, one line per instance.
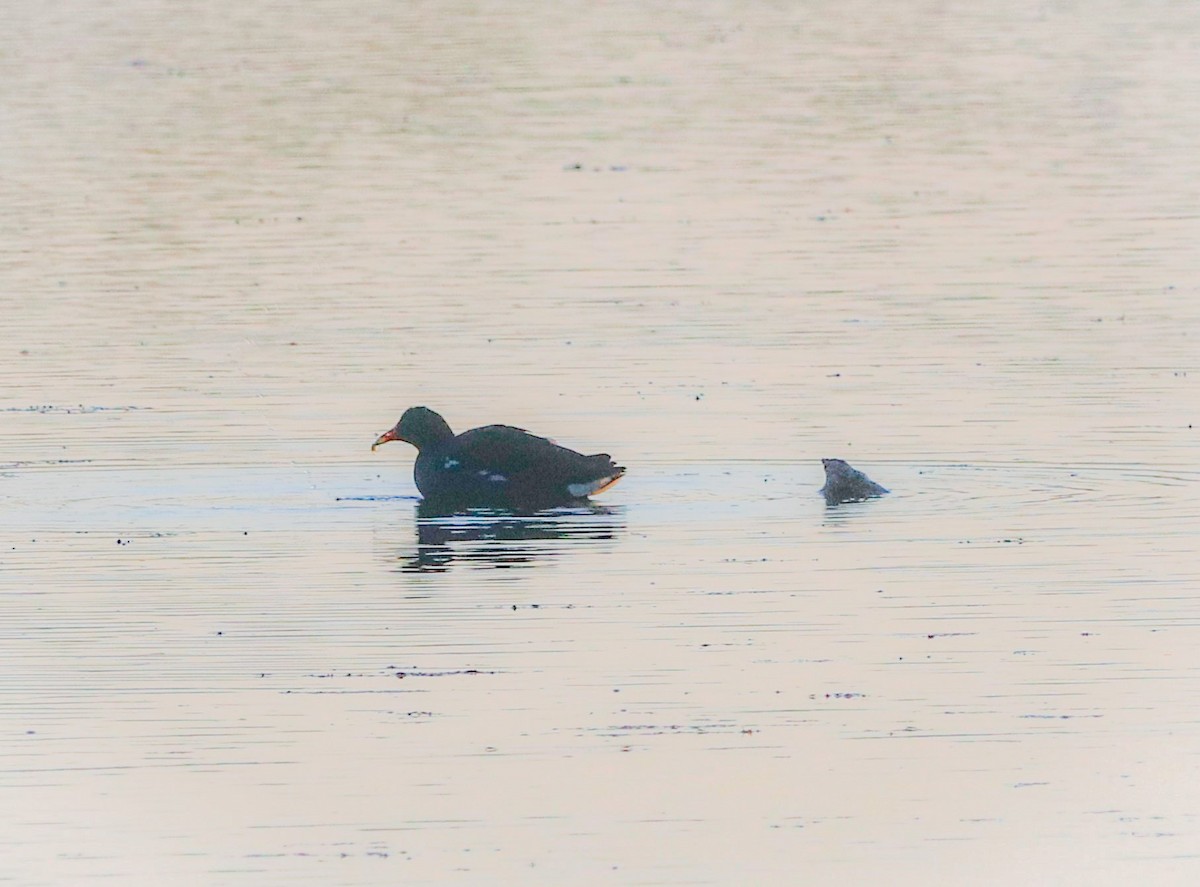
[846, 484]
[497, 465]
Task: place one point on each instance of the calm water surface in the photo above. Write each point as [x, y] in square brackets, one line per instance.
[954, 245]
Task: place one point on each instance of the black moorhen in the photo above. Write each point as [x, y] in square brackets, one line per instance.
[497, 465]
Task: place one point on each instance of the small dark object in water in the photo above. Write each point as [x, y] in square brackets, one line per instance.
[497, 465]
[846, 484]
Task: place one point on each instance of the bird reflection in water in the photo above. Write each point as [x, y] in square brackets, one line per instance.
[501, 539]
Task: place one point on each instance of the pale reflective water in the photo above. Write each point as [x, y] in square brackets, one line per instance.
[950, 243]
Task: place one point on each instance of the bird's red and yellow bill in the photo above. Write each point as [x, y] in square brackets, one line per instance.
[386, 437]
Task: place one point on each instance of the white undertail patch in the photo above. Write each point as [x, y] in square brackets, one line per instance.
[586, 489]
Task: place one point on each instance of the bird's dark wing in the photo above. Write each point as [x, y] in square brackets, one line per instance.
[514, 452]
[505, 449]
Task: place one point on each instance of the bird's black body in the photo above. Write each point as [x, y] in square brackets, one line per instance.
[497, 465]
